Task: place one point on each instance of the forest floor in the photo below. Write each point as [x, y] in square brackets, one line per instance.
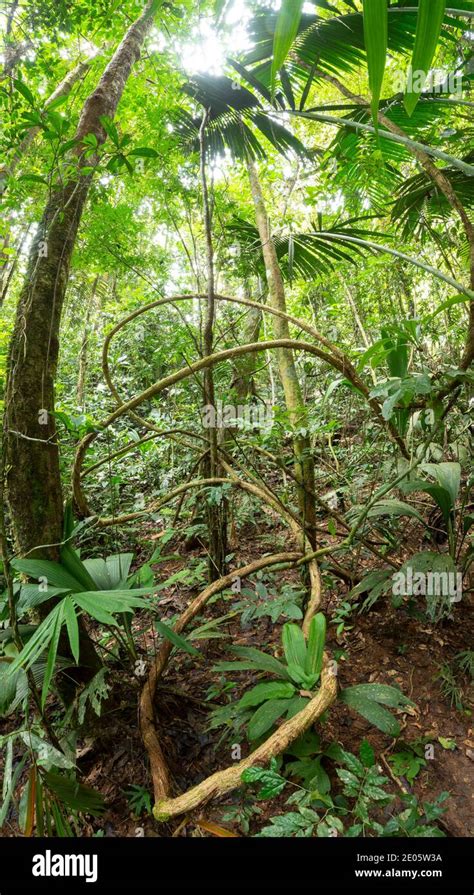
[385, 645]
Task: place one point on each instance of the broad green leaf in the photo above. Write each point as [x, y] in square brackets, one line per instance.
[272, 783]
[256, 659]
[295, 705]
[428, 29]
[262, 692]
[448, 476]
[110, 129]
[92, 607]
[383, 693]
[74, 565]
[294, 645]
[33, 178]
[394, 508]
[53, 572]
[286, 29]
[372, 711]
[449, 303]
[176, 639]
[144, 152]
[315, 647]
[25, 91]
[118, 568]
[376, 41]
[265, 717]
[47, 756]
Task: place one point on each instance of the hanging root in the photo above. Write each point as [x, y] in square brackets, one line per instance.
[222, 782]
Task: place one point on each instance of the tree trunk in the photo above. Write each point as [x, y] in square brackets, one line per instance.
[304, 463]
[32, 471]
[32, 459]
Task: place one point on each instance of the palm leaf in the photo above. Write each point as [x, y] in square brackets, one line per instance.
[376, 40]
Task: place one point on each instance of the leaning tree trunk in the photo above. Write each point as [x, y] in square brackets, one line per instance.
[304, 464]
[32, 472]
[32, 467]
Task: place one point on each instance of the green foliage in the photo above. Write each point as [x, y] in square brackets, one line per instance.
[351, 813]
[376, 40]
[369, 701]
[139, 800]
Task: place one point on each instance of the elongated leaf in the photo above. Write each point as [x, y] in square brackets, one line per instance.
[428, 29]
[372, 711]
[93, 608]
[53, 572]
[52, 653]
[294, 645]
[286, 29]
[25, 91]
[265, 717]
[383, 693]
[118, 568]
[38, 643]
[176, 639]
[74, 795]
[316, 641]
[376, 42]
[73, 564]
[72, 627]
[394, 508]
[262, 692]
[448, 476]
[261, 661]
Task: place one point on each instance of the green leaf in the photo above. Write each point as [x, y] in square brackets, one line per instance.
[449, 303]
[144, 152]
[52, 653]
[38, 642]
[72, 627]
[316, 641]
[372, 711]
[53, 572]
[286, 29]
[74, 795]
[262, 692]
[377, 715]
[33, 178]
[258, 660]
[448, 476]
[428, 29]
[265, 717]
[383, 693]
[73, 564]
[110, 129]
[25, 91]
[367, 754]
[294, 645]
[376, 42]
[394, 508]
[272, 783]
[176, 639]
